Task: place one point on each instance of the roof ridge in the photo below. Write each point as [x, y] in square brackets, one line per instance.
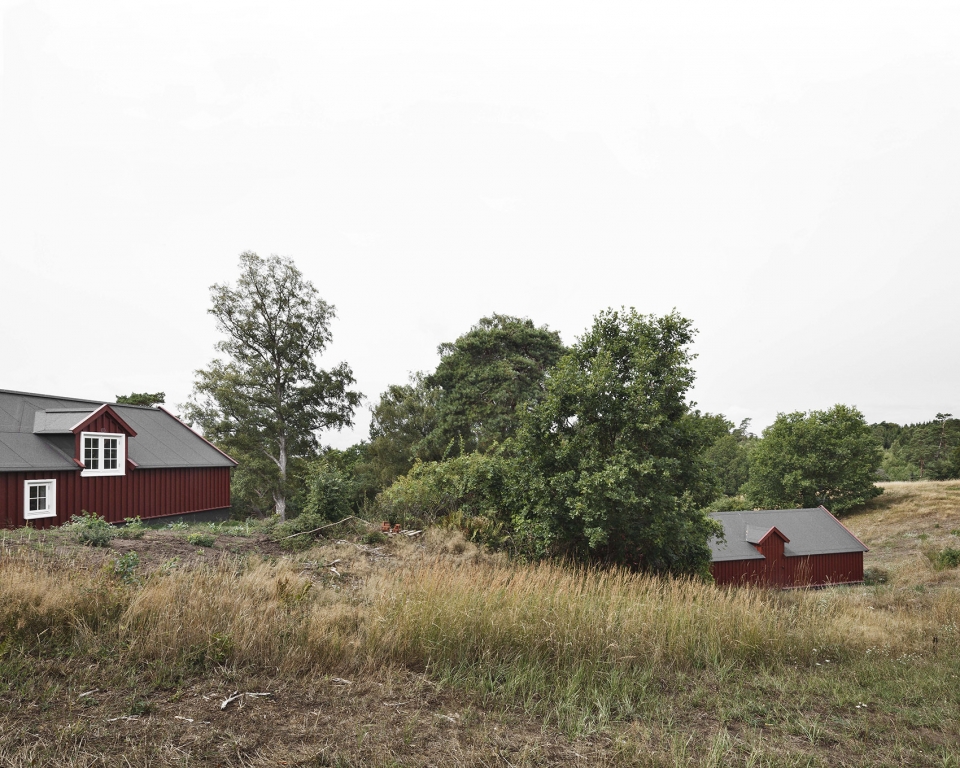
[51, 397]
[75, 399]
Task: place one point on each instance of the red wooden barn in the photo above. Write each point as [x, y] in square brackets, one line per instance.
[786, 548]
[60, 456]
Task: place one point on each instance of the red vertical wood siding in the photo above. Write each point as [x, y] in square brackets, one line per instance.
[775, 566]
[141, 493]
[805, 571]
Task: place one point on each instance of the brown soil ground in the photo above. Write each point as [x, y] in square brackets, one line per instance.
[384, 719]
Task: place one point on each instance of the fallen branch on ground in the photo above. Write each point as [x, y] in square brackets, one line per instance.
[232, 697]
[328, 525]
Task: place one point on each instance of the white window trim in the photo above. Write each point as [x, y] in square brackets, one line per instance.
[51, 510]
[121, 453]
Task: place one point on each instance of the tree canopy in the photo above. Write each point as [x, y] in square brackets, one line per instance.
[485, 374]
[729, 455]
[142, 398]
[608, 463]
[928, 450]
[266, 396]
[469, 403]
[821, 457]
[403, 429]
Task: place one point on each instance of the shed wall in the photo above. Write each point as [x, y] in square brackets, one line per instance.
[141, 493]
[806, 571]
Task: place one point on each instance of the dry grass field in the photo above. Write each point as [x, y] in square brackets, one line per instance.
[906, 526]
[430, 652]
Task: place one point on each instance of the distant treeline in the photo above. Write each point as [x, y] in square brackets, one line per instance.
[926, 451]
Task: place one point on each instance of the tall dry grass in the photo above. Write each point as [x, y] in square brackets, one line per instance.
[64, 605]
[551, 611]
[543, 616]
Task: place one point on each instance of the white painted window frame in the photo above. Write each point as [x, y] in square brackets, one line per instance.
[121, 453]
[51, 510]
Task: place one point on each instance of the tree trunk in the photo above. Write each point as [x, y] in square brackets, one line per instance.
[280, 496]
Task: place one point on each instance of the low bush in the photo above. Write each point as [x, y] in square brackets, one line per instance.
[201, 539]
[464, 492]
[133, 528]
[124, 567]
[876, 576]
[375, 538]
[91, 530]
[947, 558]
[301, 524]
[307, 524]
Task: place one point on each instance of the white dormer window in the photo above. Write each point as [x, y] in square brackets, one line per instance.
[39, 499]
[102, 454]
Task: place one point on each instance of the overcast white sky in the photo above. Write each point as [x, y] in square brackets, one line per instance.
[786, 175]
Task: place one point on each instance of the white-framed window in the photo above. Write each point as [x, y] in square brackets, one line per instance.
[39, 499]
[102, 453]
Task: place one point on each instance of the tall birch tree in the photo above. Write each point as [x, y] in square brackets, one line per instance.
[265, 396]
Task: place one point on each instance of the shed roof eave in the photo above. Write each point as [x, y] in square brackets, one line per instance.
[58, 468]
[843, 551]
[734, 558]
[184, 466]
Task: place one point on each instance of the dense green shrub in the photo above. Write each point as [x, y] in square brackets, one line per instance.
[91, 530]
[375, 538]
[125, 566]
[307, 524]
[463, 492]
[201, 539]
[330, 491]
[947, 558]
[876, 576]
[133, 528]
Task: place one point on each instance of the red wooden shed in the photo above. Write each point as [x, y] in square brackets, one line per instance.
[785, 548]
[62, 456]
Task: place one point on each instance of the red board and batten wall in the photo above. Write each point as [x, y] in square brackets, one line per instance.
[779, 570]
[145, 492]
[140, 492]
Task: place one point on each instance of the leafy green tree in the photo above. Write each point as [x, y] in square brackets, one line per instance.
[485, 374]
[266, 396]
[920, 451]
[729, 455]
[607, 464]
[403, 429]
[330, 489]
[886, 433]
[821, 457]
[142, 398]
[351, 463]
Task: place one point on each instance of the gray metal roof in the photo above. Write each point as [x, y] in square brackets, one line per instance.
[161, 441]
[59, 421]
[811, 532]
[26, 452]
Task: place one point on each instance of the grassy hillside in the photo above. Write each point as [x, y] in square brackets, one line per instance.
[907, 526]
[429, 652]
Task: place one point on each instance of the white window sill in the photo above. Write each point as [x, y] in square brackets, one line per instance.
[40, 515]
[102, 473]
